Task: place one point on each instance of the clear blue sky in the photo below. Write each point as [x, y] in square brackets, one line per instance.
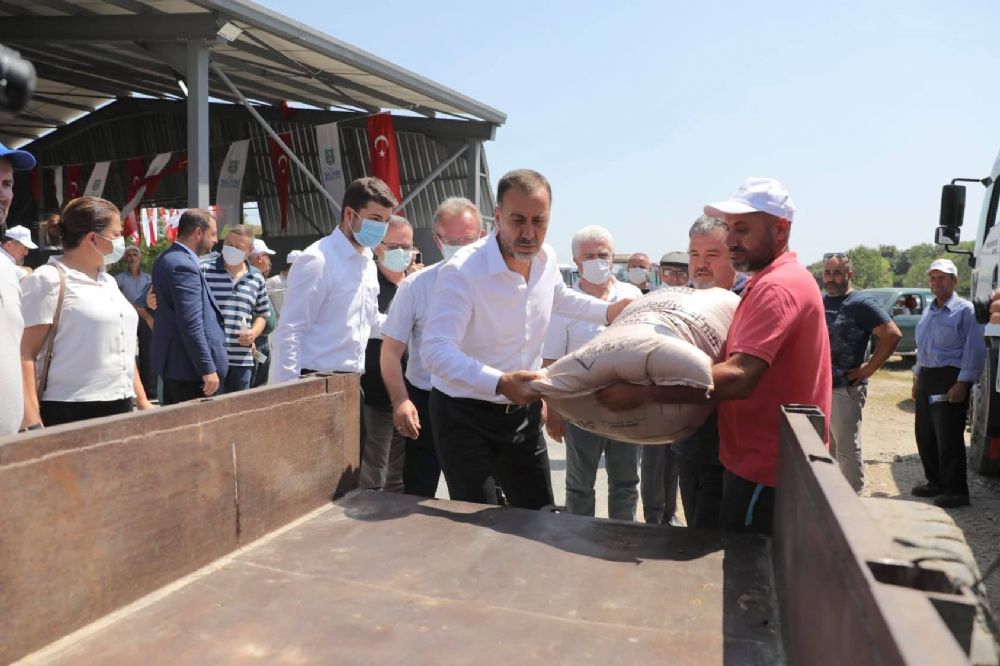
[641, 112]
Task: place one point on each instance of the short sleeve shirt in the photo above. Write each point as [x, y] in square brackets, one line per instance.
[850, 320]
[566, 335]
[133, 287]
[241, 302]
[781, 320]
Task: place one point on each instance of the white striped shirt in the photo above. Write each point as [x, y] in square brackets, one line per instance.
[240, 302]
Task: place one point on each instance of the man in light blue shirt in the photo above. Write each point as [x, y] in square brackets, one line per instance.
[951, 352]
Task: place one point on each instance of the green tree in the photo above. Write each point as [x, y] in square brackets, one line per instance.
[871, 269]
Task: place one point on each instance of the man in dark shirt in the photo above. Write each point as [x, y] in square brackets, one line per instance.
[851, 318]
[384, 452]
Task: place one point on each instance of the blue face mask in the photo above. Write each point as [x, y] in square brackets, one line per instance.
[371, 233]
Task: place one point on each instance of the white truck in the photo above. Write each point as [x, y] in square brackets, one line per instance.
[984, 260]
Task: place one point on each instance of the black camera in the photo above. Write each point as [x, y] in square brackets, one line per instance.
[17, 81]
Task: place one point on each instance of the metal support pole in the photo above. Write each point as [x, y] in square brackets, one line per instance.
[474, 171]
[277, 139]
[430, 177]
[197, 124]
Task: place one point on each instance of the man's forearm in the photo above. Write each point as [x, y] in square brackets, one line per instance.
[392, 376]
[883, 350]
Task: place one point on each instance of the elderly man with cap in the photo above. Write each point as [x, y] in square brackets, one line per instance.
[11, 321]
[777, 353]
[277, 284]
[951, 351]
[14, 246]
[260, 258]
[674, 269]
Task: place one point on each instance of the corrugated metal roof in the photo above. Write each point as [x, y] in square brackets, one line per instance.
[145, 127]
[136, 47]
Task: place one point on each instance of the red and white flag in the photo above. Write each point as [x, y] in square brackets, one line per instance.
[170, 226]
[130, 225]
[280, 166]
[74, 182]
[158, 164]
[384, 152]
[149, 226]
[58, 175]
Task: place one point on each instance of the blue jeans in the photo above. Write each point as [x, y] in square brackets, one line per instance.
[583, 456]
[237, 379]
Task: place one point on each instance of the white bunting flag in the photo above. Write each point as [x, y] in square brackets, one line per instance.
[330, 167]
[58, 173]
[98, 177]
[229, 193]
[149, 226]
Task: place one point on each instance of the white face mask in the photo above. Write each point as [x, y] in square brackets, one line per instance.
[637, 275]
[596, 271]
[398, 260]
[448, 251]
[117, 249]
[233, 256]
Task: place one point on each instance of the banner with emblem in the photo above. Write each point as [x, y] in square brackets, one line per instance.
[229, 193]
[98, 177]
[331, 169]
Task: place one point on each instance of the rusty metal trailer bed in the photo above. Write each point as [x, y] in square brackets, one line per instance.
[205, 533]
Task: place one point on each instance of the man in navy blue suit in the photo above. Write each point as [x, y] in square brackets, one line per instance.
[189, 345]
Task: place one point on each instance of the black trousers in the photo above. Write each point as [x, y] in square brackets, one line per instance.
[55, 412]
[144, 335]
[176, 391]
[421, 470]
[940, 431]
[701, 491]
[261, 370]
[746, 506]
[481, 444]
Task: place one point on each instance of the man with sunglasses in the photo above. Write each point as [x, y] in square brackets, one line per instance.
[385, 446]
[456, 225]
[852, 318]
[777, 353]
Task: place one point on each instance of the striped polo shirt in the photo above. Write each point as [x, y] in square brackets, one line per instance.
[240, 302]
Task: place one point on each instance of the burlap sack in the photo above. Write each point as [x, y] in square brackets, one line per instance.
[670, 337]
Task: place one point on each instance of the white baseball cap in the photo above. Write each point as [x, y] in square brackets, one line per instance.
[763, 195]
[943, 265]
[22, 236]
[293, 255]
[260, 247]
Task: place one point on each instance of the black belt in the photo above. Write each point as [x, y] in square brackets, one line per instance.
[487, 406]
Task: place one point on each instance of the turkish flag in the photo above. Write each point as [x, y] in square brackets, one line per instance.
[383, 151]
[280, 164]
[153, 181]
[74, 182]
[136, 177]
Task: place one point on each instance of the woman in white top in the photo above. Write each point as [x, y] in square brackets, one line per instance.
[92, 372]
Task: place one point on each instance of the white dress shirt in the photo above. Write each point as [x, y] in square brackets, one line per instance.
[93, 356]
[18, 270]
[407, 318]
[485, 320]
[567, 335]
[330, 310]
[11, 329]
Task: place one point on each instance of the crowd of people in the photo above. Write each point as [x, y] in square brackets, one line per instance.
[447, 353]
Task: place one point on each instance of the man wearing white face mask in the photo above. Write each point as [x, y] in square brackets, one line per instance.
[638, 271]
[384, 447]
[331, 302]
[241, 294]
[593, 253]
[456, 225]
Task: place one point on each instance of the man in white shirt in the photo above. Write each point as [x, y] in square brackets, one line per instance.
[11, 321]
[483, 345]
[456, 224]
[14, 246]
[593, 254]
[331, 302]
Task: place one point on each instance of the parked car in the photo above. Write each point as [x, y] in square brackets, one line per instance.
[905, 306]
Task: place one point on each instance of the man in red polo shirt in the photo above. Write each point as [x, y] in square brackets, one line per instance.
[778, 352]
